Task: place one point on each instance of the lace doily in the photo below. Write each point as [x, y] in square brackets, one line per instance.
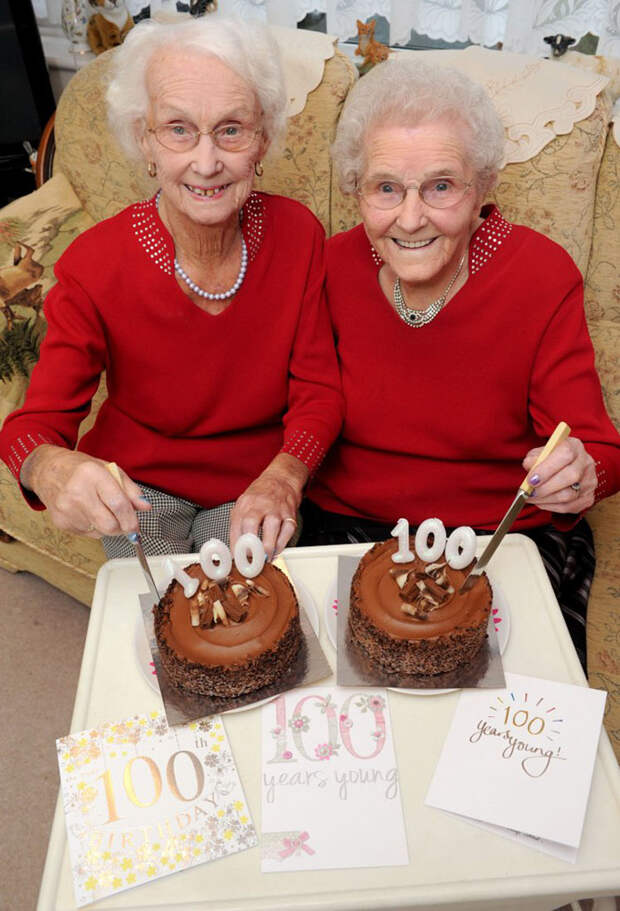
[537, 99]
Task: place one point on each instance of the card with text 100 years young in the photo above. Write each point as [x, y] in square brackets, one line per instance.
[513, 755]
[143, 800]
[330, 788]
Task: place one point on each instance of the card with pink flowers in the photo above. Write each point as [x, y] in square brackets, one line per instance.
[330, 787]
[143, 800]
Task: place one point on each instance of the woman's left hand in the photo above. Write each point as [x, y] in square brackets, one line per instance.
[565, 481]
[271, 503]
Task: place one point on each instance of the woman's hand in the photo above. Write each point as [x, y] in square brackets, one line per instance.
[565, 481]
[80, 493]
[271, 502]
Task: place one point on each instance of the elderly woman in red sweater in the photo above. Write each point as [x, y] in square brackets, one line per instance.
[461, 338]
[203, 305]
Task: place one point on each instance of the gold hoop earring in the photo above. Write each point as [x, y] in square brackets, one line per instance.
[258, 168]
[152, 169]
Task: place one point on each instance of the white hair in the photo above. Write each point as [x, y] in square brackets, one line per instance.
[248, 49]
[408, 93]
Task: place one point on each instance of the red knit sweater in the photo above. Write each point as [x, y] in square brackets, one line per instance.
[197, 404]
[438, 419]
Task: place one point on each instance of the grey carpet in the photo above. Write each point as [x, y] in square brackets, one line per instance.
[42, 634]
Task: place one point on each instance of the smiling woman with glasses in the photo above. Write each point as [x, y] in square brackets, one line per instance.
[461, 338]
[205, 307]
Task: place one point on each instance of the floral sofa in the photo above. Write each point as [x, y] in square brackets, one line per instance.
[570, 190]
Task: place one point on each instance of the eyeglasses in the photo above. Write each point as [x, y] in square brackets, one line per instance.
[181, 137]
[438, 192]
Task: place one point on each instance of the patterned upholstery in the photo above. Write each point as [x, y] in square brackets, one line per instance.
[602, 300]
[570, 191]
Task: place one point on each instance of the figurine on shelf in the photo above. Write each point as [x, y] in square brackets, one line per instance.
[108, 25]
[200, 7]
[372, 51]
[559, 44]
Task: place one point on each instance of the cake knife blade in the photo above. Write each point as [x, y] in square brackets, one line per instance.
[560, 433]
[135, 539]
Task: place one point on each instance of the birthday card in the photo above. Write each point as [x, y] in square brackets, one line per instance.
[143, 800]
[330, 787]
[513, 755]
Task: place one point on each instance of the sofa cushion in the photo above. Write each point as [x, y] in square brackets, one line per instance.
[34, 230]
[554, 192]
[46, 222]
[36, 530]
[602, 290]
[603, 627]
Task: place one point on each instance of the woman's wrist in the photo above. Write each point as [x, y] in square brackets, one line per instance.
[31, 466]
[290, 470]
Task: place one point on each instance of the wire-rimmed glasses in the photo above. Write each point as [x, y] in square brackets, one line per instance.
[437, 192]
[181, 137]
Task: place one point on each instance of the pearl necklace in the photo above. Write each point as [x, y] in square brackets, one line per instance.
[224, 295]
[418, 318]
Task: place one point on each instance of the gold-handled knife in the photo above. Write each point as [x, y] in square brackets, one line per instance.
[134, 537]
[560, 433]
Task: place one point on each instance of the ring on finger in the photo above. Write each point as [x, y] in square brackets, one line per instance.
[90, 528]
[289, 519]
[576, 486]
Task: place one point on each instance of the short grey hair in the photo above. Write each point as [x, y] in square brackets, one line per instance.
[410, 92]
[248, 49]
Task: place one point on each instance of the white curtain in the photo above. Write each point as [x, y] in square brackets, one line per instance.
[520, 25]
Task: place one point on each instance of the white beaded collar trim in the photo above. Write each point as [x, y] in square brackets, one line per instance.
[155, 240]
[486, 241]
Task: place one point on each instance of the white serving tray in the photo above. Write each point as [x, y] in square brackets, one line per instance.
[454, 866]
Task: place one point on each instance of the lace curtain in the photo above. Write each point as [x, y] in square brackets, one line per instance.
[520, 25]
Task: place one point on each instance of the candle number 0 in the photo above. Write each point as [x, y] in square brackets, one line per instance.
[153, 768]
[216, 559]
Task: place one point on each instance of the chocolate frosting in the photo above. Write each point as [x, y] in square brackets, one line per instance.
[266, 621]
[379, 598]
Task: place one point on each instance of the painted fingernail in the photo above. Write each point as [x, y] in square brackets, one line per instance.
[145, 499]
[535, 479]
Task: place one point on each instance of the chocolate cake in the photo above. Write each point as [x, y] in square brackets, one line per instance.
[410, 618]
[231, 637]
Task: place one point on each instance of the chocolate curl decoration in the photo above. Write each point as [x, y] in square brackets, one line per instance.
[422, 592]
